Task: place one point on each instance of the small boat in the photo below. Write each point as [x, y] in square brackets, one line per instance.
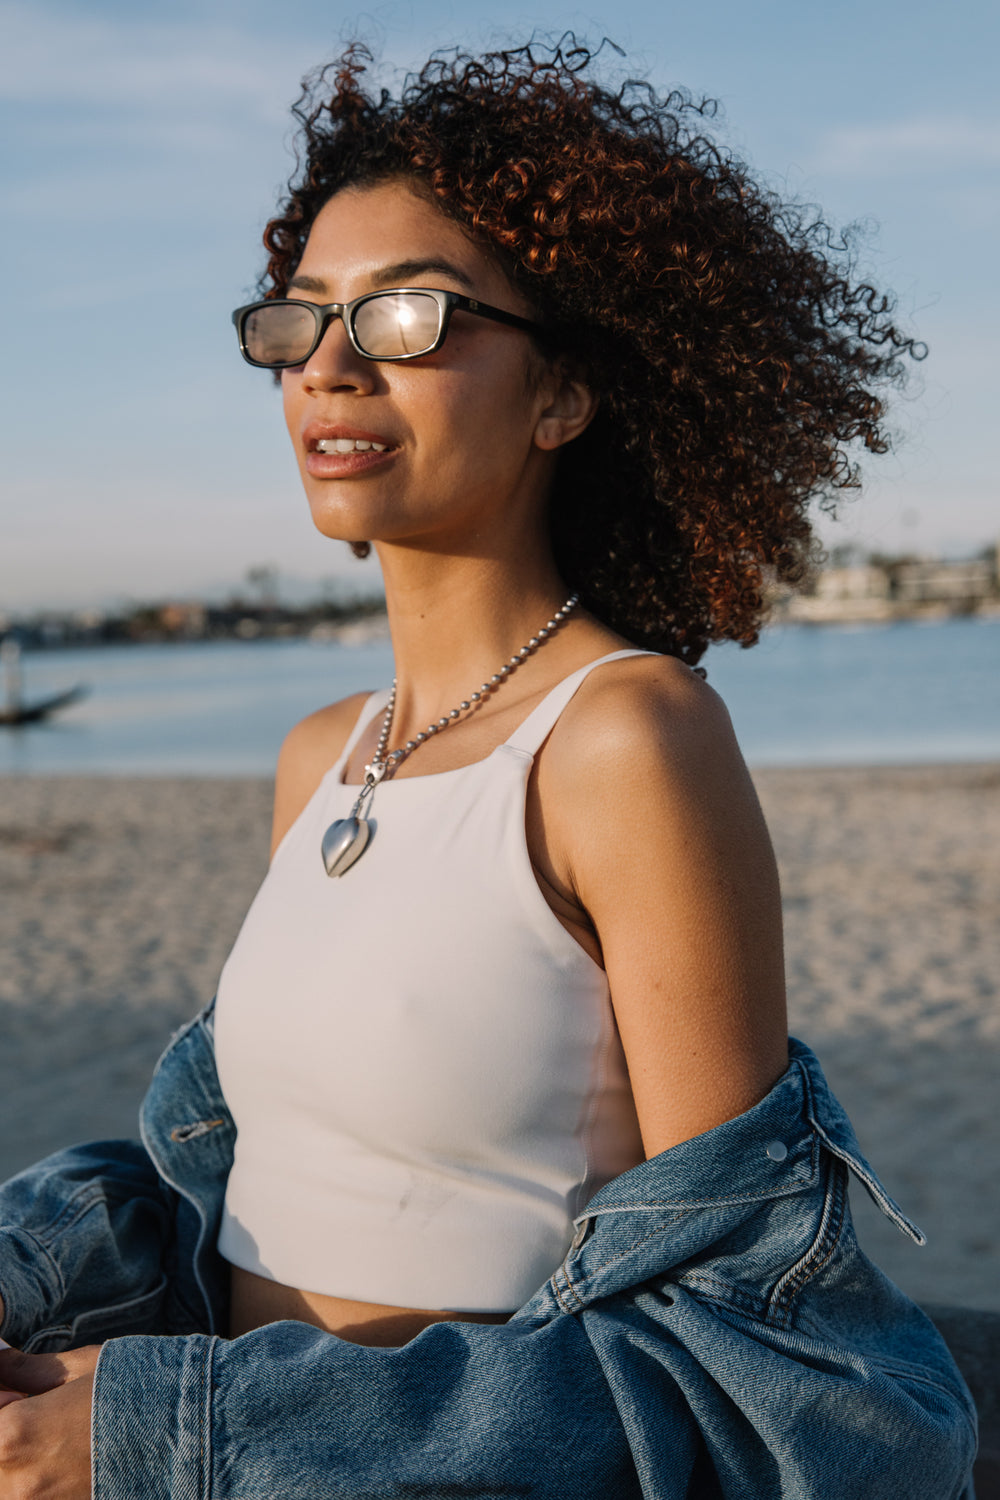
[15, 710]
[31, 713]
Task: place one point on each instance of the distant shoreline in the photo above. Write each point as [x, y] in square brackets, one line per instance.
[806, 611]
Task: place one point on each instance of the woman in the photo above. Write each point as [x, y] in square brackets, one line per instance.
[518, 954]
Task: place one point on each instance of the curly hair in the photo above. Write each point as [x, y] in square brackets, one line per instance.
[735, 355]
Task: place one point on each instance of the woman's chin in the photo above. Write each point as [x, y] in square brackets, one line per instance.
[338, 527]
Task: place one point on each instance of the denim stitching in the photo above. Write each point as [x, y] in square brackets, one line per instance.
[821, 1250]
[635, 1245]
[558, 1293]
[673, 1219]
[798, 1186]
[682, 1208]
[686, 1203]
[805, 1274]
[204, 1377]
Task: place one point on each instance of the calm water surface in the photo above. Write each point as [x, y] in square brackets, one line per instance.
[890, 694]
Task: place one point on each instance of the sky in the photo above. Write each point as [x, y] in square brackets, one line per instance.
[144, 147]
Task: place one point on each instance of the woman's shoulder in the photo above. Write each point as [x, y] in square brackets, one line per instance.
[645, 753]
[641, 711]
[644, 756]
[309, 750]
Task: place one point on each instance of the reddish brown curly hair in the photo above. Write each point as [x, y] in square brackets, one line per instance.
[736, 356]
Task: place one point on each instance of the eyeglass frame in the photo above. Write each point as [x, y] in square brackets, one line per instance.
[325, 312]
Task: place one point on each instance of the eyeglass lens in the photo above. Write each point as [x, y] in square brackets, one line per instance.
[405, 323]
[279, 333]
[385, 326]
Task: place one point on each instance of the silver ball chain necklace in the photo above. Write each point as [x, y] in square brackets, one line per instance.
[346, 840]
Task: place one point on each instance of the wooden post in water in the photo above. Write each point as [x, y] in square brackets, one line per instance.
[10, 656]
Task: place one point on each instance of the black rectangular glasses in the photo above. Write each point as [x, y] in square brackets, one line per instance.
[400, 323]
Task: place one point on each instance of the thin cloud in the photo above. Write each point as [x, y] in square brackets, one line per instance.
[891, 146]
[139, 121]
[68, 58]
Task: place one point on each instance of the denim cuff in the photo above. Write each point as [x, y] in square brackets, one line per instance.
[151, 1418]
[30, 1286]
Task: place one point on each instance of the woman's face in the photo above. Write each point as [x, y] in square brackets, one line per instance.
[467, 433]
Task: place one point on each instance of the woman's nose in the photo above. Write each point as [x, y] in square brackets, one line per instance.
[336, 365]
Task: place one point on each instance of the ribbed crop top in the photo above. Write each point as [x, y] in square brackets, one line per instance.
[422, 1063]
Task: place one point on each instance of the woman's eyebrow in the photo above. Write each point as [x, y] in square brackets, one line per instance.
[308, 284]
[405, 270]
[398, 274]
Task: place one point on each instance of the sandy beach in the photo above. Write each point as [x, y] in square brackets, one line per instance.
[119, 899]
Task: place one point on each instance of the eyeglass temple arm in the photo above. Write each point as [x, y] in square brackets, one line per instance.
[484, 310]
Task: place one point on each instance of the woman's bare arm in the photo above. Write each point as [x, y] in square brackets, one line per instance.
[652, 816]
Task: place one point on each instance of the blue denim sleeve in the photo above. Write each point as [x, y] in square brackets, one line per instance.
[650, 1394]
[83, 1236]
[782, 1412]
[462, 1410]
[107, 1239]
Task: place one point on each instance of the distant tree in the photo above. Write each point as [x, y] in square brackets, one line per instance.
[890, 561]
[845, 555]
[263, 578]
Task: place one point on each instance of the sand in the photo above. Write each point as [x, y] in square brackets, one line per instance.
[119, 899]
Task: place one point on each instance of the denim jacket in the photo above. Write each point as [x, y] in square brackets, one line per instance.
[713, 1331]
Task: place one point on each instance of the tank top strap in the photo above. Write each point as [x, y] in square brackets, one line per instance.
[371, 706]
[533, 731]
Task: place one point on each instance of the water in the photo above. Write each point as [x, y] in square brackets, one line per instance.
[895, 694]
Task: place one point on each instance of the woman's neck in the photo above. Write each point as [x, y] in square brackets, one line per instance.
[455, 620]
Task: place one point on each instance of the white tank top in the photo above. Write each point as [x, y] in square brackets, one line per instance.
[422, 1063]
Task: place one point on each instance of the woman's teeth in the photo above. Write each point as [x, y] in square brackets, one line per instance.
[349, 445]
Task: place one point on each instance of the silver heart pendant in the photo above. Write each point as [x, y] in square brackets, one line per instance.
[343, 843]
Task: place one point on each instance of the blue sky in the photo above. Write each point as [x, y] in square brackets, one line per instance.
[143, 149]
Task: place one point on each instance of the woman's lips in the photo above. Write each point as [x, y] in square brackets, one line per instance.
[346, 465]
[338, 452]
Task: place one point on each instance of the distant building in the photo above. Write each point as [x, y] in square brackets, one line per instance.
[944, 582]
[895, 589]
[862, 582]
[859, 593]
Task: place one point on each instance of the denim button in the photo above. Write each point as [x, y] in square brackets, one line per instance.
[776, 1150]
[580, 1235]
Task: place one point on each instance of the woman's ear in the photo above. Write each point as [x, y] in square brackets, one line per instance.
[568, 408]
